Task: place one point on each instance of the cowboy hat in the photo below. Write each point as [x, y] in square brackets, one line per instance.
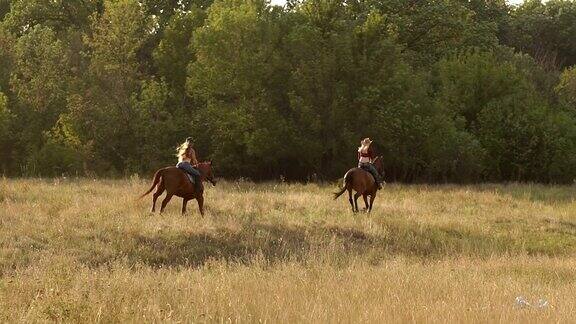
[366, 141]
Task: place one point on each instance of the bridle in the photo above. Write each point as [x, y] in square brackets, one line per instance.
[211, 178]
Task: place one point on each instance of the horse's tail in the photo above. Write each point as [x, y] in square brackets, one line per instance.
[157, 176]
[347, 179]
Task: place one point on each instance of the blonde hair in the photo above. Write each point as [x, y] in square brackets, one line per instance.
[182, 149]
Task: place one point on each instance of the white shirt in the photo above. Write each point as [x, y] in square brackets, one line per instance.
[364, 159]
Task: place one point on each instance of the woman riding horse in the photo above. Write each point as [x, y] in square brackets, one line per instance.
[187, 159]
[366, 184]
[366, 158]
[175, 181]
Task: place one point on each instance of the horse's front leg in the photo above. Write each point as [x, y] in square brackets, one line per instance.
[372, 197]
[200, 200]
[184, 203]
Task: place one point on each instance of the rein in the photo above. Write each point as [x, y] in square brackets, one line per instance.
[203, 174]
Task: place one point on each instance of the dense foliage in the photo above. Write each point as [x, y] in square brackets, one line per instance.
[451, 90]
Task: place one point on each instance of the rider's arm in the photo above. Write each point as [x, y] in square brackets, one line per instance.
[192, 155]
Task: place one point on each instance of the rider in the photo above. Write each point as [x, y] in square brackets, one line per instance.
[186, 159]
[366, 157]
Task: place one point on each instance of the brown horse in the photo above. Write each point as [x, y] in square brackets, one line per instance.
[363, 183]
[176, 183]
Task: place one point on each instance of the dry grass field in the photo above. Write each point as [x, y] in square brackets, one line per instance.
[89, 251]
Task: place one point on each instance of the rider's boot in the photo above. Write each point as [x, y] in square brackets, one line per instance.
[380, 181]
[197, 184]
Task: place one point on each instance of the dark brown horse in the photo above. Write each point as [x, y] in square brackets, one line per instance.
[176, 183]
[363, 183]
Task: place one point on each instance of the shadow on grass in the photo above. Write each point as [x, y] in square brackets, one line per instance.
[273, 242]
[281, 243]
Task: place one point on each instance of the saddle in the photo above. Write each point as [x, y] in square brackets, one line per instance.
[190, 177]
[366, 169]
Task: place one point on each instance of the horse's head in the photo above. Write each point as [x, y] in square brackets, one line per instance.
[205, 169]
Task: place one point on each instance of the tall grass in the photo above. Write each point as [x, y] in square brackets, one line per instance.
[82, 250]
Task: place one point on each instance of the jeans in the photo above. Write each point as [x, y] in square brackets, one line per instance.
[372, 169]
[186, 166]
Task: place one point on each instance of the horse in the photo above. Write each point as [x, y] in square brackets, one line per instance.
[176, 183]
[363, 183]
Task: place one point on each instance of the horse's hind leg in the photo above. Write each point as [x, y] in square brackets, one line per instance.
[165, 201]
[356, 196]
[350, 200]
[157, 194]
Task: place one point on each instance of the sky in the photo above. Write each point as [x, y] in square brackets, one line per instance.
[282, 2]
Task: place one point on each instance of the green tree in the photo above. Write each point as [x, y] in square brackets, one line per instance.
[566, 88]
[469, 82]
[164, 10]
[6, 58]
[493, 15]
[175, 52]
[39, 83]
[432, 29]
[112, 86]
[101, 112]
[238, 73]
[6, 119]
[5, 116]
[321, 86]
[4, 8]
[59, 15]
[498, 103]
[159, 127]
[545, 31]
[39, 76]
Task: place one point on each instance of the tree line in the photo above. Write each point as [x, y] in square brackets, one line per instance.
[450, 90]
